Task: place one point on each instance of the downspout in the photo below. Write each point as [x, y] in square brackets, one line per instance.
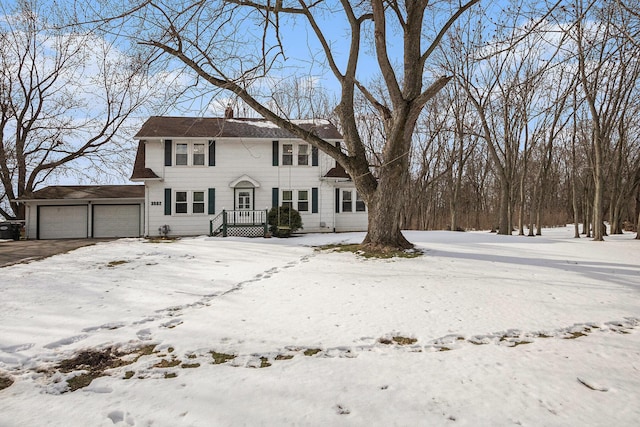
[145, 226]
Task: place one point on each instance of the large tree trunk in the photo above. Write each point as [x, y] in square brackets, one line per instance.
[574, 203]
[383, 231]
[505, 211]
[385, 203]
[598, 193]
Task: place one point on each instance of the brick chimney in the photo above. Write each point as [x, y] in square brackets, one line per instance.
[228, 112]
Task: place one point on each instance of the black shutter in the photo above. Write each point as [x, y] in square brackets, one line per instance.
[314, 156]
[167, 201]
[274, 197]
[212, 201]
[314, 200]
[168, 145]
[212, 153]
[337, 200]
[275, 153]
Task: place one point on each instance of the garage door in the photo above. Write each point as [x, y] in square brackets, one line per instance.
[62, 222]
[116, 220]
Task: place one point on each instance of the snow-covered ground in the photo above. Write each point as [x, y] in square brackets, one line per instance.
[489, 330]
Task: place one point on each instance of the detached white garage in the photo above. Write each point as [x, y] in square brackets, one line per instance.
[85, 211]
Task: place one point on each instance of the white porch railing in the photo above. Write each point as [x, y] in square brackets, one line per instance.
[239, 223]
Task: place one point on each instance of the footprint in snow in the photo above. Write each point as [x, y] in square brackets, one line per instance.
[121, 416]
[65, 341]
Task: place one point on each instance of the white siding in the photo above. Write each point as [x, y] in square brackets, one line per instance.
[235, 158]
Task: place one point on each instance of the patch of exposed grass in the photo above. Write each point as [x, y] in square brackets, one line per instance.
[574, 335]
[190, 365]
[164, 363]
[170, 375]
[128, 375]
[284, 357]
[312, 351]
[83, 380]
[116, 263]
[444, 349]
[264, 362]
[92, 360]
[404, 340]
[398, 339]
[366, 252]
[5, 382]
[94, 363]
[219, 358]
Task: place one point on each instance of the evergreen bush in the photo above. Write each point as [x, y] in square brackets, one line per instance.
[288, 221]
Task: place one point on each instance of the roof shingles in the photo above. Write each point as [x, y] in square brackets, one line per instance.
[214, 127]
[88, 192]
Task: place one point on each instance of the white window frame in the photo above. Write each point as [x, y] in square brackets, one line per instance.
[289, 201]
[190, 201]
[298, 201]
[355, 200]
[204, 153]
[360, 200]
[191, 153]
[295, 200]
[295, 154]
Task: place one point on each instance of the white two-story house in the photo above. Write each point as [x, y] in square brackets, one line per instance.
[198, 172]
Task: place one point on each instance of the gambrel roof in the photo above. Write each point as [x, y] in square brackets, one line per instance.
[214, 127]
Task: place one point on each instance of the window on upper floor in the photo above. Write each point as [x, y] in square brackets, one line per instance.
[182, 154]
[303, 155]
[191, 153]
[296, 154]
[287, 154]
[198, 154]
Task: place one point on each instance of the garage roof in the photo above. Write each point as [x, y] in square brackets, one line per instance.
[87, 192]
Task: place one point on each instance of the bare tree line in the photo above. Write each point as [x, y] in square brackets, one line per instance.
[508, 116]
[549, 127]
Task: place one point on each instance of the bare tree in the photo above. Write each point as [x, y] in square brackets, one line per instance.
[608, 71]
[211, 39]
[64, 97]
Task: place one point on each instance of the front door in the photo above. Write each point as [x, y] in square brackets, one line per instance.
[244, 199]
